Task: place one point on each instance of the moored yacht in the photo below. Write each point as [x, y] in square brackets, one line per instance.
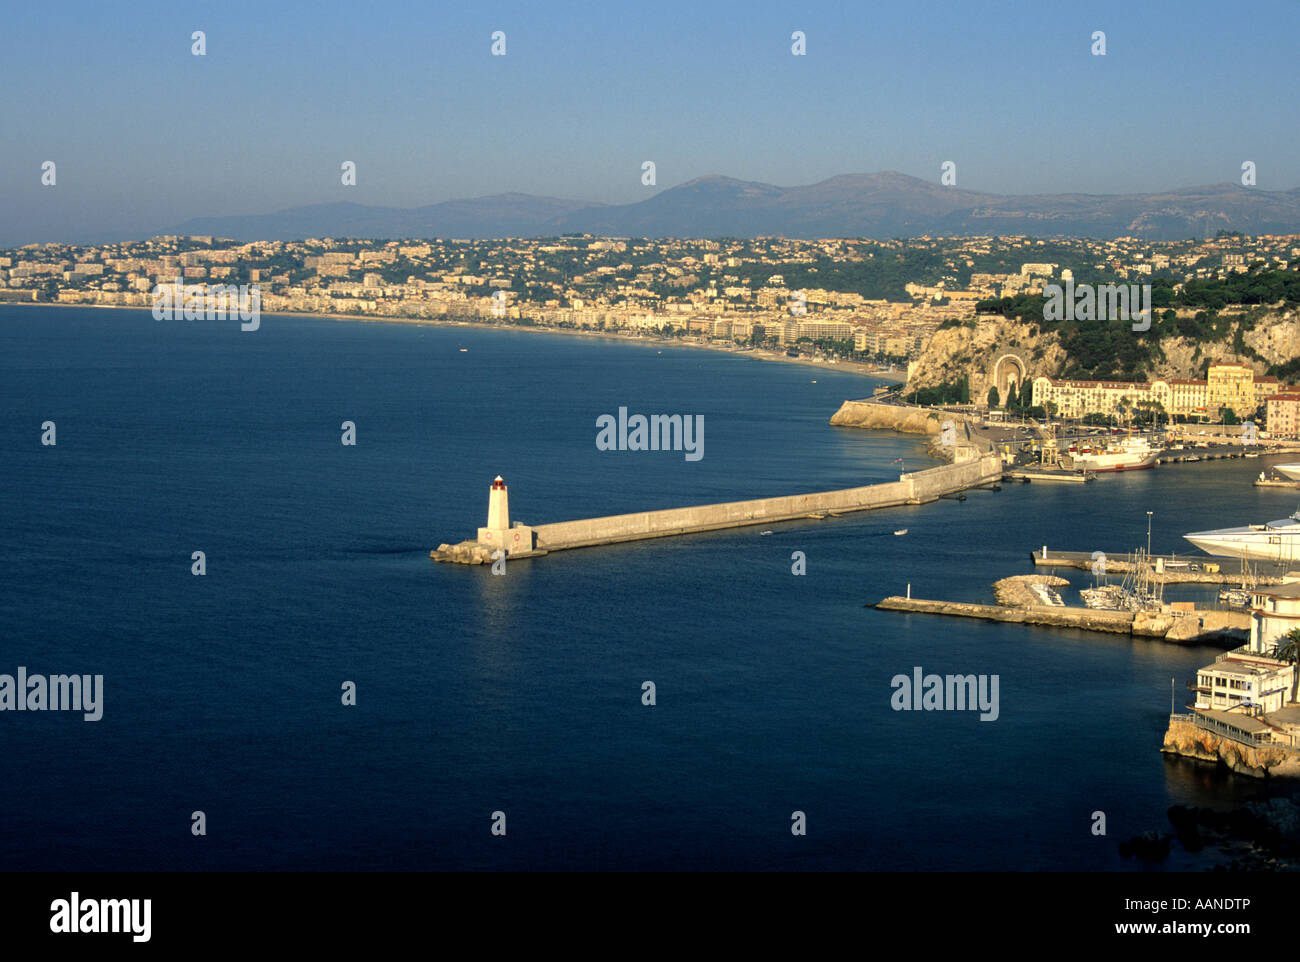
[1274, 541]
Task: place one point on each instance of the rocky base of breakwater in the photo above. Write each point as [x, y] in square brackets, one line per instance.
[1259, 836]
[887, 417]
[960, 446]
[464, 553]
[1014, 592]
[1203, 627]
[1017, 605]
[1188, 741]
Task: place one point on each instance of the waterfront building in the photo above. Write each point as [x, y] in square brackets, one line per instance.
[1283, 416]
[1229, 385]
[1247, 694]
[826, 330]
[1274, 610]
[1243, 683]
[1075, 399]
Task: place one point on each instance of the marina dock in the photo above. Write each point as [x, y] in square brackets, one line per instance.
[1170, 569]
[1175, 627]
[1042, 474]
[1199, 454]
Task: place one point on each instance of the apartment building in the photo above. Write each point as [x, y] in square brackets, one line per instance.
[1227, 385]
[1283, 416]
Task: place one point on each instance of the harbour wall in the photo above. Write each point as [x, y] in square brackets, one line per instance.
[914, 488]
[1211, 627]
[902, 418]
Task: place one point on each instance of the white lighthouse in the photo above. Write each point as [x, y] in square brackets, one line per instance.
[498, 533]
[498, 506]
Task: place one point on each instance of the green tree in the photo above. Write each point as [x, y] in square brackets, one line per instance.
[1288, 649]
[994, 398]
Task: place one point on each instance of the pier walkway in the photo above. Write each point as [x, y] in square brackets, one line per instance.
[916, 487]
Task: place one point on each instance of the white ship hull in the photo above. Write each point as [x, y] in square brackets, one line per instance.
[1113, 462]
[1291, 471]
[1277, 541]
[1131, 454]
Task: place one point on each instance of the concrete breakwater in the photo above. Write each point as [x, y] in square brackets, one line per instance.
[1172, 570]
[915, 487]
[957, 443]
[1207, 627]
[889, 417]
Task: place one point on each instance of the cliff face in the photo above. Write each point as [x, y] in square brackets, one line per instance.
[1276, 339]
[1187, 740]
[957, 352]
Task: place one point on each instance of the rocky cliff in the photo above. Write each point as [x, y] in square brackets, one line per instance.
[1189, 741]
[960, 444]
[973, 351]
[887, 417]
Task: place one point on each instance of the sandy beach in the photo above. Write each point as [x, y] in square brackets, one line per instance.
[850, 367]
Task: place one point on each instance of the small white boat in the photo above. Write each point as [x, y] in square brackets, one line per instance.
[901, 531]
[1236, 597]
[464, 350]
[768, 531]
[1106, 598]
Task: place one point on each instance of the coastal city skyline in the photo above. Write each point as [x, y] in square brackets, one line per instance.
[849, 300]
[675, 438]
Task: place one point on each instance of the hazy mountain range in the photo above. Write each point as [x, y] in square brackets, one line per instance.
[879, 206]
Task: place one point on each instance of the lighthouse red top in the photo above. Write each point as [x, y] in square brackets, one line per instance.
[498, 484]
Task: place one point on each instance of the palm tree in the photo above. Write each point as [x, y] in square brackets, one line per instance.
[1288, 649]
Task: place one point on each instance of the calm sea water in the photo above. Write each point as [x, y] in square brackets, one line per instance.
[522, 694]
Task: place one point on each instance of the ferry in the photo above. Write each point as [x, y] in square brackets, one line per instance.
[1277, 541]
[1129, 454]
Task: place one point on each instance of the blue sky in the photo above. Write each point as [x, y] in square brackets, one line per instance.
[145, 135]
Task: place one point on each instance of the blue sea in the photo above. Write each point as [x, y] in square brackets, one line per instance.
[522, 693]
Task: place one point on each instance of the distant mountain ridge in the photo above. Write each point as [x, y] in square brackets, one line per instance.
[880, 206]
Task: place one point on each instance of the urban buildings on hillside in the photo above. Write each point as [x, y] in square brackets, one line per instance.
[1232, 386]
